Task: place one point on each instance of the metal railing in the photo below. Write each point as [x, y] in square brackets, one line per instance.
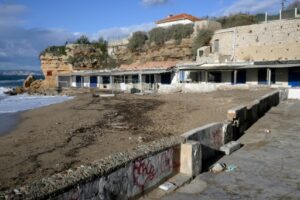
[283, 14]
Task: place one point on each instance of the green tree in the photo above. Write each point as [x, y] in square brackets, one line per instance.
[202, 39]
[137, 41]
[82, 40]
[180, 31]
[240, 19]
[157, 35]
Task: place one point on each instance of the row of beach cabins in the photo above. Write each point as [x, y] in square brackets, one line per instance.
[191, 77]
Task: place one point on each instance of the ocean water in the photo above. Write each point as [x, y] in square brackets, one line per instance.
[13, 104]
[14, 80]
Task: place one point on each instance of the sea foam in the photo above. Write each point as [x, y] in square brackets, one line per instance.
[11, 104]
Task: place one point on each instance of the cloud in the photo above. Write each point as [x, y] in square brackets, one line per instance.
[121, 32]
[10, 14]
[20, 47]
[252, 6]
[154, 2]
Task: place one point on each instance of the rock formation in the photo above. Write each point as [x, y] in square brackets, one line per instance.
[28, 81]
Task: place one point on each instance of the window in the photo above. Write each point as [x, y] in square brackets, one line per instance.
[215, 77]
[200, 53]
[216, 46]
[105, 79]
[49, 73]
[135, 78]
[64, 81]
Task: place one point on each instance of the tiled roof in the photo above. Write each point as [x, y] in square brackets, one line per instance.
[178, 17]
[149, 65]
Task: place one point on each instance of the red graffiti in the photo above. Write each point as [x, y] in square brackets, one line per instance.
[143, 172]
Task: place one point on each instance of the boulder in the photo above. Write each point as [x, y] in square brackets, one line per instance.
[15, 91]
[36, 87]
[28, 81]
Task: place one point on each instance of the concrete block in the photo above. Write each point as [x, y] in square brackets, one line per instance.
[191, 158]
[230, 147]
[238, 113]
[252, 112]
[228, 133]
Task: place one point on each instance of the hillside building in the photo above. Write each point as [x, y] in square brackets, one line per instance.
[177, 19]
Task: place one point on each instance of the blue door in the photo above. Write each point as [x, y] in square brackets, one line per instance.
[294, 77]
[93, 81]
[241, 77]
[78, 81]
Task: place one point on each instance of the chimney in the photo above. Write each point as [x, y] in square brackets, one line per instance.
[170, 15]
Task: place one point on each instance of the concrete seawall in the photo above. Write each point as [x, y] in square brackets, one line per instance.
[129, 175]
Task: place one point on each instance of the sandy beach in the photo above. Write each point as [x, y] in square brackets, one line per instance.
[61, 136]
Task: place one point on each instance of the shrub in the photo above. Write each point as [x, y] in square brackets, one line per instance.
[294, 4]
[237, 20]
[55, 50]
[101, 44]
[137, 41]
[82, 40]
[202, 39]
[180, 31]
[158, 36]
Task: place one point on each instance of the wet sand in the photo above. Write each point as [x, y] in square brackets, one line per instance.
[57, 137]
[8, 121]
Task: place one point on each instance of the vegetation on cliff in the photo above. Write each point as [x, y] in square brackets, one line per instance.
[55, 51]
[159, 36]
[137, 41]
[92, 55]
[240, 19]
[84, 54]
[202, 39]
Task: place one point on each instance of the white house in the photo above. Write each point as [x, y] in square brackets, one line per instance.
[177, 19]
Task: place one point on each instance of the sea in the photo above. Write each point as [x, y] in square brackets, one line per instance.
[10, 106]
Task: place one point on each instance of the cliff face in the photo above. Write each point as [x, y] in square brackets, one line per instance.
[170, 51]
[52, 66]
[64, 60]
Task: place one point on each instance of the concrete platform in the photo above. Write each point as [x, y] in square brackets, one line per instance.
[267, 166]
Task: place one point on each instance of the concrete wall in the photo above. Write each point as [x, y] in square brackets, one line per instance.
[294, 93]
[275, 40]
[131, 180]
[120, 176]
[183, 21]
[210, 136]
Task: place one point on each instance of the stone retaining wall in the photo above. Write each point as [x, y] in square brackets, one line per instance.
[121, 176]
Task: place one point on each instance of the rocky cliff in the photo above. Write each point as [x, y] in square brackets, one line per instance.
[170, 51]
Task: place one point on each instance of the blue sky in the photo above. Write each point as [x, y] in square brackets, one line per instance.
[29, 26]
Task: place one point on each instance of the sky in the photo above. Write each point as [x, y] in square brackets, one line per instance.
[29, 26]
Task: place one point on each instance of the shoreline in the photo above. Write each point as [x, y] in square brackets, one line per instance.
[10, 122]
